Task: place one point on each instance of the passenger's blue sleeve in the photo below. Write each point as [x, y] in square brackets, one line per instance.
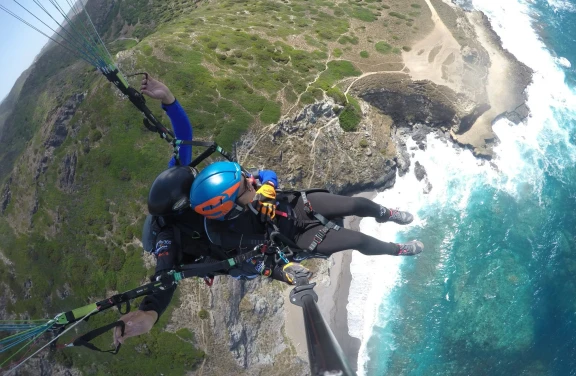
[268, 176]
[182, 129]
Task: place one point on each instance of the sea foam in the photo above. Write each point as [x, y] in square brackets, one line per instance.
[452, 172]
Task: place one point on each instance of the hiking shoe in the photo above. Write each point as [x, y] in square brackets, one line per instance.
[400, 217]
[411, 248]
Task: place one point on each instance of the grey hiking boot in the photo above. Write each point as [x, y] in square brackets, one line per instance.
[400, 217]
[411, 248]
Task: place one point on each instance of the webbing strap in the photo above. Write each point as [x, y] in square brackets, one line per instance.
[200, 270]
[328, 224]
[85, 339]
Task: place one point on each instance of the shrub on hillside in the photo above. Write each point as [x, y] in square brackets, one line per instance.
[383, 47]
[351, 116]
[398, 15]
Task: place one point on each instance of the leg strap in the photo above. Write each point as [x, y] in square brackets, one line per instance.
[328, 224]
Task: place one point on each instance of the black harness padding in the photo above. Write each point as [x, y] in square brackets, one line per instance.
[242, 233]
[189, 236]
[328, 225]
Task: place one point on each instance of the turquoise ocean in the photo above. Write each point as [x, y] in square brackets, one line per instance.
[494, 292]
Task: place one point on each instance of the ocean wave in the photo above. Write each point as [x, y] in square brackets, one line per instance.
[562, 5]
[563, 62]
[454, 173]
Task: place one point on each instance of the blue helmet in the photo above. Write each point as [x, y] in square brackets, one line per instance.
[215, 189]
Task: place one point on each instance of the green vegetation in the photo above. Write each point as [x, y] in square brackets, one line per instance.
[337, 70]
[362, 14]
[383, 47]
[161, 352]
[406, 48]
[186, 334]
[203, 314]
[348, 39]
[337, 95]
[351, 116]
[363, 143]
[364, 54]
[121, 45]
[398, 15]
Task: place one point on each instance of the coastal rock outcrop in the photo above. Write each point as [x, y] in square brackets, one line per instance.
[410, 102]
[422, 175]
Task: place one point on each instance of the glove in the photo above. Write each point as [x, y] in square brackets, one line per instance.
[265, 202]
[289, 272]
[268, 176]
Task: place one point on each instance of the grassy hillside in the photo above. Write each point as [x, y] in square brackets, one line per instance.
[7, 105]
[233, 65]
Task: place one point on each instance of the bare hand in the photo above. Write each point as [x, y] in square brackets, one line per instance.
[156, 90]
[137, 322]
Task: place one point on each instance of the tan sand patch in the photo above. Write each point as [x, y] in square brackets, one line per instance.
[436, 57]
[499, 98]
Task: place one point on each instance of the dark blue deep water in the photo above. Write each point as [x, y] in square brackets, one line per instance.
[495, 291]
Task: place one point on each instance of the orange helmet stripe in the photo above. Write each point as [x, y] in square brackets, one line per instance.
[219, 205]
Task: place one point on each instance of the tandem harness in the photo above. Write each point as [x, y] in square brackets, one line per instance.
[318, 218]
[328, 224]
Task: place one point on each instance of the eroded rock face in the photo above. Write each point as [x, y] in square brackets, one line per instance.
[6, 196]
[518, 115]
[57, 131]
[310, 150]
[68, 172]
[244, 317]
[242, 329]
[410, 102]
[468, 121]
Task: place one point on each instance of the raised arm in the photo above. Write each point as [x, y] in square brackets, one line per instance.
[180, 121]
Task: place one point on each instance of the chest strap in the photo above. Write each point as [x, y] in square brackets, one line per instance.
[328, 224]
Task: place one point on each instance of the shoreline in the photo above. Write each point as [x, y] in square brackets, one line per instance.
[333, 294]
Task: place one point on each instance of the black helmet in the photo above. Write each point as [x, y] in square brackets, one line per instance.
[170, 192]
